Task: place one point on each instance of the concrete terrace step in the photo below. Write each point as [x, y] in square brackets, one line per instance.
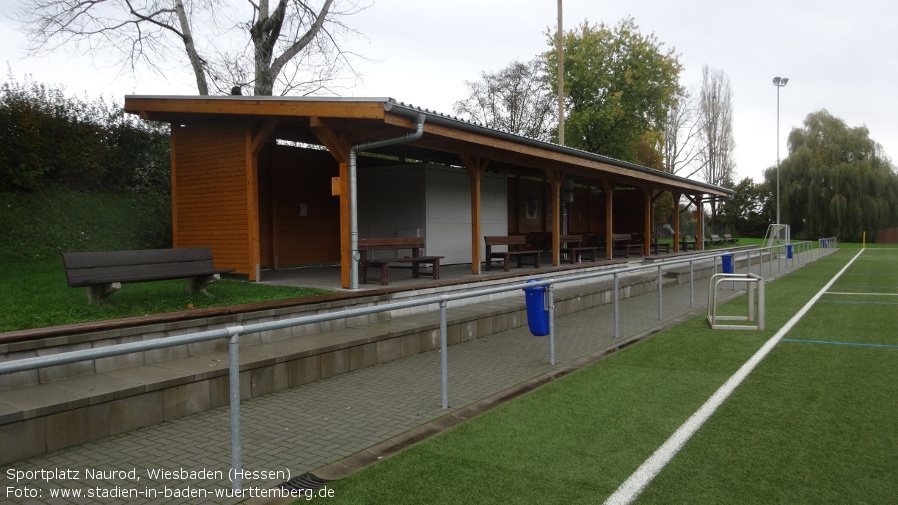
[43, 411]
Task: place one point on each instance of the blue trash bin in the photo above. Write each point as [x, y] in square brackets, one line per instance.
[537, 313]
[824, 243]
[727, 261]
[789, 251]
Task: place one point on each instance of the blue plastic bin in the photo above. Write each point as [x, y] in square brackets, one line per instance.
[537, 313]
[789, 251]
[727, 261]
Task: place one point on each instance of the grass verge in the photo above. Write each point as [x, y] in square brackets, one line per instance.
[35, 295]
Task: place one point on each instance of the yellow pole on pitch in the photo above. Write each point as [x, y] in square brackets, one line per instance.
[864, 239]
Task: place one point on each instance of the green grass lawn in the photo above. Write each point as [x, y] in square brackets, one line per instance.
[815, 423]
[35, 295]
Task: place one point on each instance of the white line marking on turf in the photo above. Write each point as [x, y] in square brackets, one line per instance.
[630, 489]
[861, 294]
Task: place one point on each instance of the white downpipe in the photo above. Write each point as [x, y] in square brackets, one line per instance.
[353, 193]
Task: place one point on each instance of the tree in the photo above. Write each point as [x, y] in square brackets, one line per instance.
[681, 134]
[749, 211]
[48, 139]
[619, 85]
[294, 44]
[836, 181]
[716, 131]
[516, 99]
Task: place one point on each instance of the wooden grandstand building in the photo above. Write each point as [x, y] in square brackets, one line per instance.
[267, 182]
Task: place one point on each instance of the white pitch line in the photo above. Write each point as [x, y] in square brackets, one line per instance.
[861, 294]
[630, 489]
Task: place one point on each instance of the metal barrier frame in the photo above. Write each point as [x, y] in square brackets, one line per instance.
[749, 280]
[232, 333]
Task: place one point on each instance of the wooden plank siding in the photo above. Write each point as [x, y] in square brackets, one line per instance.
[210, 205]
[302, 176]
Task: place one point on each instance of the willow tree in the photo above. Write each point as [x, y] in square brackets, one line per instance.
[836, 181]
[619, 86]
[289, 46]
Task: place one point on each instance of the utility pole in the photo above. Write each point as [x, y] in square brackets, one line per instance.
[560, 43]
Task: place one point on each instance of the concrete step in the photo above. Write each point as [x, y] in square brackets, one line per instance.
[49, 409]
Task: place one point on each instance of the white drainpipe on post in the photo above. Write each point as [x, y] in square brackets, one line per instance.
[353, 196]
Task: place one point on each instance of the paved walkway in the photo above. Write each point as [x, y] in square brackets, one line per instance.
[309, 427]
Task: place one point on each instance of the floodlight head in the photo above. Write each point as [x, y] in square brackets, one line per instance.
[780, 81]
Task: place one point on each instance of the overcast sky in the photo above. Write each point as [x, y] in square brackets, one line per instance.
[838, 56]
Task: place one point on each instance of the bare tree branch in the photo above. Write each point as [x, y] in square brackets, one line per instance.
[154, 33]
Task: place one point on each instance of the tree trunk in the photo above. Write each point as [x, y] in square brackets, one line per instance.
[195, 61]
[265, 33]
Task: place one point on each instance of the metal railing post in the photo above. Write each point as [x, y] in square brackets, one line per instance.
[616, 308]
[551, 302]
[234, 379]
[691, 284]
[660, 296]
[444, 360]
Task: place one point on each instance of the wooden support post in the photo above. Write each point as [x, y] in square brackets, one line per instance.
[255, 141]
[476, 167]
[647, 229]
[676, 227]
[339, 146]
[608, 190]
[699, 232]
[554, 179]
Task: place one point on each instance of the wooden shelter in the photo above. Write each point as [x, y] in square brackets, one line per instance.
[271, 181]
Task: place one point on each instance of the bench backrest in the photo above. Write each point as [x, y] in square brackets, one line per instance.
[505, 240]
[370, 244]
[571, 239]
[86, 268]
[620, 236]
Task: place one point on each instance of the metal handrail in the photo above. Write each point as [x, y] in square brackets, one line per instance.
[232, 333]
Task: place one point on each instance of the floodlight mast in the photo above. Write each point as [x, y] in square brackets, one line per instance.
[779, 82]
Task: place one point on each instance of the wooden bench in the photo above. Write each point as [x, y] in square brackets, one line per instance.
[103, 273]
[415, 244]
[715, 239]
[576, 245]
[517, 247]
[686, 241]
[656, 246]
[730, 239]
[624, 241]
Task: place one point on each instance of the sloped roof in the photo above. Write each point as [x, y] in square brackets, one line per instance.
[445, 137]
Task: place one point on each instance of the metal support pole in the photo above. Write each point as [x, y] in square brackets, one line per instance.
[234, 378]
[779, 261]
[616, 308]
[691, 285]
[444, 361]
[551, 301]
[660, 296]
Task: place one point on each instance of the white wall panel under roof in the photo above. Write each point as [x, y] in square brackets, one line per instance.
[433, 201]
